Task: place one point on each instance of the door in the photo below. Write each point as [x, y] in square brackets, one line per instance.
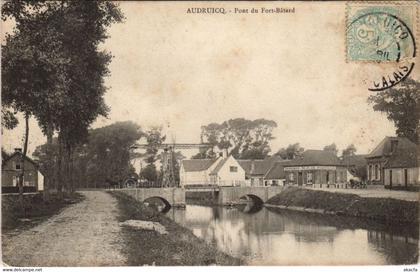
[300, 179]
[390, 178]
[405, 178]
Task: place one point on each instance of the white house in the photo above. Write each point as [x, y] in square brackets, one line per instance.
[223, 171]
[228, 172]
[196, 171]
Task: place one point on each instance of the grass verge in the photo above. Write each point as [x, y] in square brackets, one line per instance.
[384, 209]
[36, 209]
[179, 247]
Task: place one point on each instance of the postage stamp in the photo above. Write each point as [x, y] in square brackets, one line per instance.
[382, 34]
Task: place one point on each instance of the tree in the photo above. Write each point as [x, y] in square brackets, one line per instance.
[154, 139]
[331, 148]
[240, 137]
[349, 151]
[401, 104]
[54, 70]
[8, 119]
[291, 152]
[104, 157]
[4, 155]
[149, 173]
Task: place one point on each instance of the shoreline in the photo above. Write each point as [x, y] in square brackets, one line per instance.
[179, 247]
[341, 204]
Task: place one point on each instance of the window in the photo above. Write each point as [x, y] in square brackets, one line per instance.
[394, 144]
[291, 177]
[17, 166]
[376, 172]
[233, 169]
[309, 177]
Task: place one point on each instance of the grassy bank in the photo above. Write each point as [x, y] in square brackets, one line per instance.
[384, 209]
[179, 247]
[36, 209]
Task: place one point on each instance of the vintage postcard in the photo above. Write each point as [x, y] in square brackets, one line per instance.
[138, 133]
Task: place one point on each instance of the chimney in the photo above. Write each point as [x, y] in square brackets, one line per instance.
[224, 153]
[18, 150]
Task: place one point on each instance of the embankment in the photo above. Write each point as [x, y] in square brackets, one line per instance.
[179, 247]
[384, 209]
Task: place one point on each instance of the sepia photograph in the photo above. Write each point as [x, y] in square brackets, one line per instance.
[182, 133]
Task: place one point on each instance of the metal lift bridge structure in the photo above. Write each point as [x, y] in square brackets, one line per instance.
[168, 159]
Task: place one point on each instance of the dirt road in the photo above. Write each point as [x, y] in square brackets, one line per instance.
[83, 234]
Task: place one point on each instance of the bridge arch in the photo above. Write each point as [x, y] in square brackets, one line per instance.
[254, 198]
[163, 200]
[232, 195]
[254, 204]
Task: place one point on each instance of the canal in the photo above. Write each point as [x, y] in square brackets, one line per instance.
[265, 236]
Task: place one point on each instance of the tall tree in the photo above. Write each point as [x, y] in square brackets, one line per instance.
[332, 148]
[154, 139]
[240, 137]
[55, 49]
[401, 104]
[104, 157]
[8, 119]
[349, 150]
[291, 152]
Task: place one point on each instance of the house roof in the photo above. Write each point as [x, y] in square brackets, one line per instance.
[257, 167]
[15, 154]
[384, 147]
[404, 158]
[354, 160]
[316, 157]
[218, 166]
[197, 165]
[277, 170]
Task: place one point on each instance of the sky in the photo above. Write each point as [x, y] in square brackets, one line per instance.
[182, 71]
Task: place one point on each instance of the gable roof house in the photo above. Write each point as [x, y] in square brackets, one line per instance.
[11, 169]
[383, 152]
[223, 171]
[316, 168]
[276, 176]
[255, 170]
[402, 169]
[228, 172]
[196, 171]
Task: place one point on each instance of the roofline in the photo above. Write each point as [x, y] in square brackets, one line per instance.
[15, 153]
[315, 165]
[405, 167]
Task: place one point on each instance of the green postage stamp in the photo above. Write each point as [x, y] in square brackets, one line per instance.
[381, 38]
[380, 33]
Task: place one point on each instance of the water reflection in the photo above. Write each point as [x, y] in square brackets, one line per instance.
[290, 238]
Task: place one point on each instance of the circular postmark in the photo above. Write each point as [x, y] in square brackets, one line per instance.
[385, 40]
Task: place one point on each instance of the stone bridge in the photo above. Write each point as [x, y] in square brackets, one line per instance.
[232, 195]
[172, 197]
